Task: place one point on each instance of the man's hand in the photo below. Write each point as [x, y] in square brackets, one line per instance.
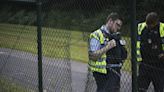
[111, 44]
[97, 54]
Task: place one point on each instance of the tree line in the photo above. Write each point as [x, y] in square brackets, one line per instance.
[82, 15]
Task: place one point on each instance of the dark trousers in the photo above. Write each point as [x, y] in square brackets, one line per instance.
[109, 82]
[149, 73]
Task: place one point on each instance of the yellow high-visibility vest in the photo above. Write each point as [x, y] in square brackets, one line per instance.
[141, 27]
[98, 66]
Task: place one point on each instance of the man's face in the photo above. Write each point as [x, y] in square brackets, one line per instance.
[115, 25]
[152, 25]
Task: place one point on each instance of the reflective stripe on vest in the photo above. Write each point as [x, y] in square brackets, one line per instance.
[162, 34]
[141, 27]
[98, 66]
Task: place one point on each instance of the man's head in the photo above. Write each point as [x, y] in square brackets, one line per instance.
[114, 22]
[152, 20]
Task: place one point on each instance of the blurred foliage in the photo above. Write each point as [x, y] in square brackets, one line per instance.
[80, 15]
[146, 6]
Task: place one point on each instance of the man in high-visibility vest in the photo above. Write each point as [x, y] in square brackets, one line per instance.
[107, 72]
[150, 53]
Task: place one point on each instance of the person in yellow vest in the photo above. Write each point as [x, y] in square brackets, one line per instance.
[106, 70]
[150, 53]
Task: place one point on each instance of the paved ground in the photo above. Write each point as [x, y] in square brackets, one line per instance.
[59, 75]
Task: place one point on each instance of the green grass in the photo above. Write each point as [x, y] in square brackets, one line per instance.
[56, 43]
[6, 86]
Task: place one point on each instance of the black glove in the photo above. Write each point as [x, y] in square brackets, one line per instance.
[116, 36]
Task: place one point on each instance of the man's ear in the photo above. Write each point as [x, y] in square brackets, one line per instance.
[110, 21]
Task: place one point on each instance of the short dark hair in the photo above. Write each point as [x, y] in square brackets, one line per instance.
[151, 18]
[114, 16]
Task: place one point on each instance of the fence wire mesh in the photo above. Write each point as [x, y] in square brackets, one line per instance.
[106, 7]
[154, 69]
[18, 68]
[66, 26]
[65, 33]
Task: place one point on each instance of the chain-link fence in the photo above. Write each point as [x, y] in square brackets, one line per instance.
[18, 67]
[125, 75]
[66, 26]
[150, 70]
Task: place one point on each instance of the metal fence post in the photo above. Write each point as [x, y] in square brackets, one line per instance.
[133, 44]
[39, 40]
